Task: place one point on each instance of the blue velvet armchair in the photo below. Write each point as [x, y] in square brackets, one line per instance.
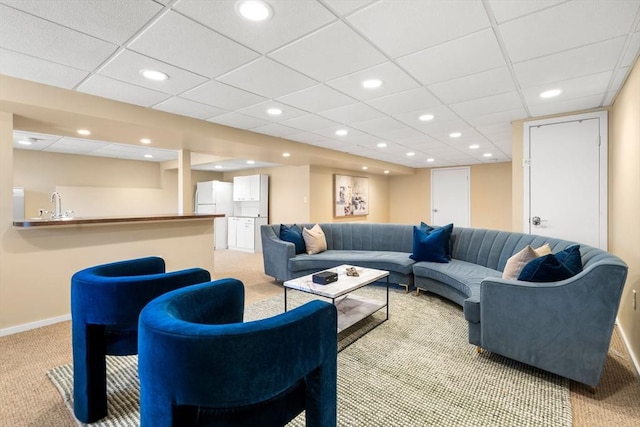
[106, 301]
[199, 364]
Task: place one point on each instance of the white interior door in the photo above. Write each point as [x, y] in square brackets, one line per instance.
[567, 179]
[450, 196]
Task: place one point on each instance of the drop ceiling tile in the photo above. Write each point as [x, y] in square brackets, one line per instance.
[38, 143]
[120, 91]
[351, 113]
[575, 88]
[578, 62]
[331, 133]
[275, 129]
[502, 117]
[260, 111]
[75, 146]
[489, 104]
[618, 80]
[345, 7]
[507, 10]
[329, 53]
[310, 122]
[237, 120]
[267, 78]
[393, 80]
[577, 104]
[380, 124]
[50, 41]
[474, 86]
[290, 20]
[405, 102]
[126, 67]
[179, 41]
[632, 51]
[567, 26]
[113, 21]
[29, 68]
[223, 96]
[185, 107]
[424, 24]
[440, 113]
[317, 98]
[307, 137]
[399, 133]
[461, 57]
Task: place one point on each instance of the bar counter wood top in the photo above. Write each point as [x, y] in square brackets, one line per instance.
[44, 222]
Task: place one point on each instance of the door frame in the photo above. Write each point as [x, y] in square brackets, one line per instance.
[602, 116]
[466, 168]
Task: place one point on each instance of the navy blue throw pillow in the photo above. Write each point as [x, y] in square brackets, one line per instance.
[546, 268]
[448, 230]
[571, 258]
[429, 246]
[293, 234]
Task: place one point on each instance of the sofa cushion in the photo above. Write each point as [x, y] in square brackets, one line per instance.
[314, 239]
[546, 268]
[381, 260]
[293, 235]
[571, 258]
[516, 263]
[429, 246]
[460, 275]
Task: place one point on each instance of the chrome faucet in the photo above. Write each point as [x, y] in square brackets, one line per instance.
[56, 198]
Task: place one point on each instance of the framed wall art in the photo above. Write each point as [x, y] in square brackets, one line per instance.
[350, 195]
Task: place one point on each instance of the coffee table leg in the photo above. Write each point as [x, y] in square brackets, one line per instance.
[285, 299]
[387, 298]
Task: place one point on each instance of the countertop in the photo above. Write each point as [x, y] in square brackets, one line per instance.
[43, 222]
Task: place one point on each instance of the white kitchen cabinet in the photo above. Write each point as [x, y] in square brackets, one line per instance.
[250, 188]
[244, 233]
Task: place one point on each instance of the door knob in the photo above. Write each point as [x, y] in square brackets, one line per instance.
[435, 210]
[536, 221]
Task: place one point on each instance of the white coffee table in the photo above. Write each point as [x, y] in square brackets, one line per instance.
[351, 308]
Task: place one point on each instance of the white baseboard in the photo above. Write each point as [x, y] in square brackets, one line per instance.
[634, 357]
[33, 325]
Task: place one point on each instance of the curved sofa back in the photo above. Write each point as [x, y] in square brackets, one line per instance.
[492, 248]
[358, 236]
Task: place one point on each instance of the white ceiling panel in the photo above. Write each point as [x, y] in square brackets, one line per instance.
[423, 23]
[329, 53]
[115, 20]
[307, 137]
[487, 105]
[127, 65]
[267, 78]
[310, 122]
[179, 41]
[37, 37]
[237, 120]
[222, 96]
[575, 88]
[294, 19]
[566, 26]
[393, 80]
[260, 111]
[317, 98]
[397, 134]
[631, 54]
[441, 114]
[570, 105]
[591, 59]
[120, 91]
[352, 113]
[504, 118]
[461, 57]
[75, 146]
[507, 10]
[185, 107]
[31, 68]
[380, 124]
[344, 7]
[276, 129]
[403, 102]
[478, 85]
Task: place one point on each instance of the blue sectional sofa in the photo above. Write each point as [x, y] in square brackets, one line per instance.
[563, 327]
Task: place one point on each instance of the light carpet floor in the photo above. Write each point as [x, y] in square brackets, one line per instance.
[415, 369]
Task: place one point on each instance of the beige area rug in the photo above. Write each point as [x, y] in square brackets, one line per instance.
[416, 369]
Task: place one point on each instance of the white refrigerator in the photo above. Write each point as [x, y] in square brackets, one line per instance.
[216, 197]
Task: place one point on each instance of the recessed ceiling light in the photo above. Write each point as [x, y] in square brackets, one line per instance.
[154, 75]
[84, 132]
[431, 160]
[217, 167]
[455, 135]
[550, 93]
[364, 168]
[148, 156]
[286, 154]
[251, 162]
[27, 141]
[426, 117]
[411, 153]
[342, 132]
[487, 154]
[274, 111]
[372, 83]
[254, 10]
[474, 146]
[386, 172]
[145, 141]
[382, 144]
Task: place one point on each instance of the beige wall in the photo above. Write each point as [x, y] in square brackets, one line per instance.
[410, 197]
[624, 201]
